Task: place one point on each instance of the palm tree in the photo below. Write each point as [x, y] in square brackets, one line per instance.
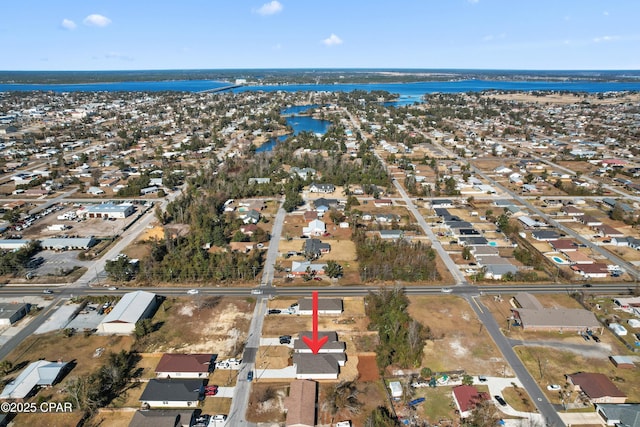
[342, 397]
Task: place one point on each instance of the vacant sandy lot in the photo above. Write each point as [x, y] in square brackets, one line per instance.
[201, 325]
[461, 341]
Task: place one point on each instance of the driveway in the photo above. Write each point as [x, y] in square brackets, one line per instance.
[496, 385]
[273, 342]
[594, 350]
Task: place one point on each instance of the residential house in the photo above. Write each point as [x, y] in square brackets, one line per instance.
[310, 215]
[629, 241]
[242, 247]
[328, 203]
[608, 231]
[467, 397]
[314, 248]
[303, 173]
[545, 235]
[248, 229]
[387, 218]
[597, 387]
[382, 202]
[300, 268]
[577, 257]
[314, 228]
[619, 415]
[323, 365]
[95, 191]
[326, 306]
[322, 188]
[391, 234]
[173, 365]
[172, 393]
[589, 221]
[441, 203]
[571, 211]
[301, 403]
[564, 245]
[251, 217]
[591, 271]
[164, 417]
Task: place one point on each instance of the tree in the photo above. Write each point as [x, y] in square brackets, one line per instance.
[121, 268]
[484, 414]
[6, 367]
[342, 397]
[467, 379]
[333, 269]
[381, 417]
[466, 253]
[143, 327]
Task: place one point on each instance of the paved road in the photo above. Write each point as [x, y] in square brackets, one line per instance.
[538, 397]
[243, 387]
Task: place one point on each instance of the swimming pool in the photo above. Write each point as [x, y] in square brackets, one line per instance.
[558, 260]
[493, 243]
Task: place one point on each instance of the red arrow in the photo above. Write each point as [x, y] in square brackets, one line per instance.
[314, 343]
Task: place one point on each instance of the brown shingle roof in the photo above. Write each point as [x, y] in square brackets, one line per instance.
[301, 403]
[185, 363]
[595, 385]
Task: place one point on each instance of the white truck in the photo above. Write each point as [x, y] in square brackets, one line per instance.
[57, 227]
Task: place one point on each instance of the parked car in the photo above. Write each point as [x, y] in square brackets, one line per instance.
[274, 311]
[250, 376]
[285, 339]
[553, 387]
[500, 400]
[595, 338]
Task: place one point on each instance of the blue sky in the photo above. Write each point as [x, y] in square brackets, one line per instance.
[163, 34]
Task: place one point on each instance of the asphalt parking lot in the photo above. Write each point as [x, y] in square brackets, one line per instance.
[54, 262]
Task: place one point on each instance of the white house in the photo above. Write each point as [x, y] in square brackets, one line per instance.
[174, 365]
[314, 228]
[132, 307]
[172, 393]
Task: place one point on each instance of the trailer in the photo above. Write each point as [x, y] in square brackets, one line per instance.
[396, 389]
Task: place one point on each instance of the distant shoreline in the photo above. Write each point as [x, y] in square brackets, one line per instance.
[313, 76]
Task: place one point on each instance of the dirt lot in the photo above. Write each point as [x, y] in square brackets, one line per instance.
[78, 348]
[461, 341]
[202, 325]
[371, 394]
[266, 402]
[367, 367]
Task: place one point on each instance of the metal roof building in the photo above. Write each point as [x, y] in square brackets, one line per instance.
[131, 308]
[39, 373]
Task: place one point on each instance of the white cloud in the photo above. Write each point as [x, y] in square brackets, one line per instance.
[96, 20]
[68, 24]
[473, 1]
[270, 8]
[606, 39]
[332, 40]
